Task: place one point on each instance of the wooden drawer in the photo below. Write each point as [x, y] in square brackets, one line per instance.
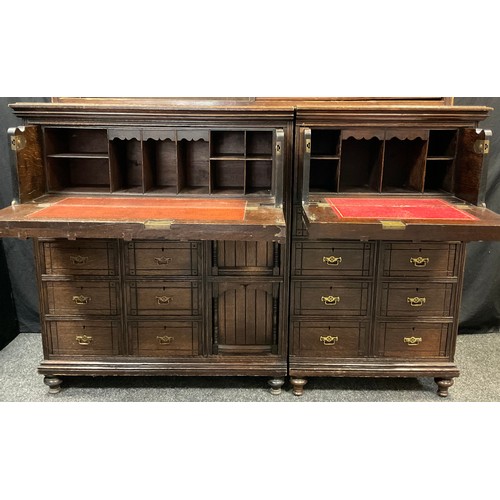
[340, 298]
[333, 259]
[158, 258]
[426, 259]
[81, 298]
[79, 258]
[164, 339]
[413, 340]
[417, 299]
[163, 298]
[85, 338]
[337, 339]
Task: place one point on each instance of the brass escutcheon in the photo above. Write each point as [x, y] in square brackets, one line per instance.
[332, 260]
[419, 261]
[416, 301]
[81, 300]
[161, 300]
[165, 340]
[84, 339]
[329, 340]
[78, 259]
[412, 340]
[330, 300]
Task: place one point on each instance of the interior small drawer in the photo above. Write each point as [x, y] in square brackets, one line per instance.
[163, 298]
[337, 339]
[163, 258]
[81, 298]
[80, 257]
[413, 340]
[426, 259]
[417, 299]
[164, 339]
[334, 258]
[340, 298]
[85, 338]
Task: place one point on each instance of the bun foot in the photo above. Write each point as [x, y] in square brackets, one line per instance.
[275, 386]
[298, 386]
[443, 385]
[54, 384]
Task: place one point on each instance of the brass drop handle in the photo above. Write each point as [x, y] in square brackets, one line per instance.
[78, 260]
[332, 260]
[416, 301]
[328, 340]
[163, 299]
[81, 300]
[419, 261]
[411, 341]
[165, 340]
[84, 339]
[330, 300]
[163, 261]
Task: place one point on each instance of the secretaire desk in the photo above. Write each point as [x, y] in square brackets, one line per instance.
[269, 237]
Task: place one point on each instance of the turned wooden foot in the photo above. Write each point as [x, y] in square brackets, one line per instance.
[54, 384]
[298, 385]
[443, 385]
[275, 386]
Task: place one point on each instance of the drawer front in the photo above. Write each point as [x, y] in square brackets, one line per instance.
[329, 339]
[333, 259]
[164, 339]
[413, 340]
[81, 298]
[79, 258]
[85, 338]
[163, 298]
[319, 298]
[163, 259]
[427, 259]
[417, 299]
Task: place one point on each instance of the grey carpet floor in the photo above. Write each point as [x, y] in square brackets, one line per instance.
[477, 356]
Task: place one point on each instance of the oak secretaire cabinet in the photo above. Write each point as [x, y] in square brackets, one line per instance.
[385, 198]
[309, 237]
[160, 236]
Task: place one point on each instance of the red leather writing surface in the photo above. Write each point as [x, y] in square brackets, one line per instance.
[386, 208]
[143, 209]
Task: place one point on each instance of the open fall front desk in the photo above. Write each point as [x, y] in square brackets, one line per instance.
[268, 237]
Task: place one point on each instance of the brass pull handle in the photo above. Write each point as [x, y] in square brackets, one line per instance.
[330, 300]
[84, 339]
[78, 260]
[412, 340]
[81, 300]
[419, 261]
[165, 340]
[329, 340]
[332, 260]
[163, 261]
[163, 299]
[416, 301]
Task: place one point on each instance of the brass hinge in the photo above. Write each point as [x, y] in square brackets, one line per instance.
[482, 147]
[393, 224]
[17, 142]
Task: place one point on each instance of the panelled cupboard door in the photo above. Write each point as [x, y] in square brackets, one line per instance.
[245, 317]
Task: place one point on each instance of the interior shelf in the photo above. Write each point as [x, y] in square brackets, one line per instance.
[379, 161]
[161, 161]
